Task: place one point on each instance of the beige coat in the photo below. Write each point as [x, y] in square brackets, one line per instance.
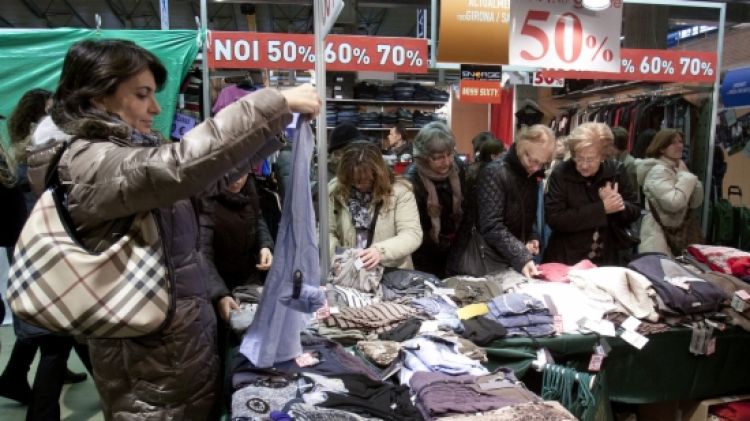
[397, 231]
[672, 192]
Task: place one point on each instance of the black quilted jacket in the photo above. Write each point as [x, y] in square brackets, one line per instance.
[574, 211]
[506, 202]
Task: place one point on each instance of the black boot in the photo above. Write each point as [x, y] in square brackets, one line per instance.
[19, 391]
[71, 377]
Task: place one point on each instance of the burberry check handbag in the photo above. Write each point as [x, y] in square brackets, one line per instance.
[57, 284]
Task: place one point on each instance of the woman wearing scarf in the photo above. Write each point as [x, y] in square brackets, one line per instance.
[364, 187]
[438, 179]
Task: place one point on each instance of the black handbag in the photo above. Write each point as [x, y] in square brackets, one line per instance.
[478, 258]
[625, 236]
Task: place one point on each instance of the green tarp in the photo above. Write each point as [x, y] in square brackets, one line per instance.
[32, 58]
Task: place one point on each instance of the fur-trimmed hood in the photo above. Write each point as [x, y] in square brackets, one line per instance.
[47, 132]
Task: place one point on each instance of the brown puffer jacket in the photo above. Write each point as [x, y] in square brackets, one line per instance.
[173, 374]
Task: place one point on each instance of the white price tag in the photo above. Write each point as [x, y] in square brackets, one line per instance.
[631, 323]
[558, 323]
[602, 327]
[738, 303]
[595, 363]
[564, 35]
[323, 312]
[634, 338]
[711, 347]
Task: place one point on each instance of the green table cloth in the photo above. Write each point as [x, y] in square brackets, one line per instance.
[664, 370]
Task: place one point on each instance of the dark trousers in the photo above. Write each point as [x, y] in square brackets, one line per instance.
[50, 375]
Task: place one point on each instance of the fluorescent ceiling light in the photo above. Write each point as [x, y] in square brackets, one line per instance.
[596, 4]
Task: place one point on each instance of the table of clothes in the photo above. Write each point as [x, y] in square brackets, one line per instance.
[404, 345]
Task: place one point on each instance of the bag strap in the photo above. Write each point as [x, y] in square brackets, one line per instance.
[734, 191]
[371, 232]
[654, 213]
[52, 178]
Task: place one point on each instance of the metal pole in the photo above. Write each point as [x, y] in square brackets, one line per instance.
[320, 131]
[204, 62]
[712, 131]
[433, 32]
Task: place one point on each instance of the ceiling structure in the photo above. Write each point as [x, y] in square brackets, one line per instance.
[373, 17]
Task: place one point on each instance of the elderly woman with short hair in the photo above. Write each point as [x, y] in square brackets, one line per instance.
[438, 180]
[588, 197]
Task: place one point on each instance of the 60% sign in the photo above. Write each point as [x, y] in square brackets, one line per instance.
[657, 65]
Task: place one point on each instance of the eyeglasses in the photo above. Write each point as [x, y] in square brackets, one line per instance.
[587, 161]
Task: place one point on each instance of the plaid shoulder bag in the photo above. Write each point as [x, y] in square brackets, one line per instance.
[56, 283]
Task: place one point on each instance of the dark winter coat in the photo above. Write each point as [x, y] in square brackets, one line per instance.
[172, 374]
[233, 232]
[574, 211]
[506, 205]
[431, 256]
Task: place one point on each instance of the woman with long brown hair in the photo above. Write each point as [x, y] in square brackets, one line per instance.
[671, 191]
[363, 188]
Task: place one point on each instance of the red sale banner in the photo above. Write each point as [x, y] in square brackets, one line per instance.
[480, 91]
[251, 50]
[653, 65]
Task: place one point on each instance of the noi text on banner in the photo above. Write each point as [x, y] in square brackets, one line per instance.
[252, 50]
[564, 35]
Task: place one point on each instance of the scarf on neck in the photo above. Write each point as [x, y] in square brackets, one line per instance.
[429, 177]
[142, 139]
[359, 208]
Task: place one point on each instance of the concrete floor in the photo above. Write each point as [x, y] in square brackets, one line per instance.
[78, 402]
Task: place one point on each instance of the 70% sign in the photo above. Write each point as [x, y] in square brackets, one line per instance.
[657, 65]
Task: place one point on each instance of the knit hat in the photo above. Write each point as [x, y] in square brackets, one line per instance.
[342, 135]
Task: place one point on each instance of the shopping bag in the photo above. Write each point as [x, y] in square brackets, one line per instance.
[741, 218]
[722, 222]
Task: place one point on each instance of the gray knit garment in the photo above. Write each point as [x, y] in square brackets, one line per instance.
[257, 402]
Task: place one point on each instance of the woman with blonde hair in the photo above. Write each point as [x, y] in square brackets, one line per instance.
[507, 198]
[365, 190]
[670, 192]
[589, 196]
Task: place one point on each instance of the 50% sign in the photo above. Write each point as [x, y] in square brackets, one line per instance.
[556, 35]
